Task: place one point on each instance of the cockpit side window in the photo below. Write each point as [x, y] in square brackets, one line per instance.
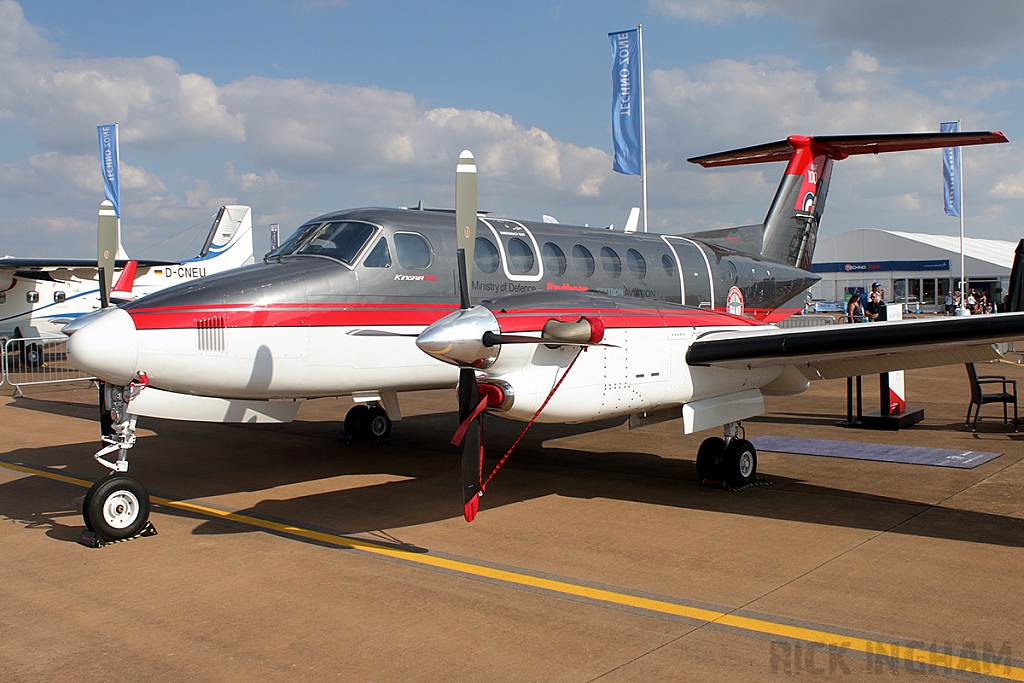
[341, 240]
[379, 256]
[413, 250]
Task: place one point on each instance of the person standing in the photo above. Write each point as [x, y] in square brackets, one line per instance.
[871, 308]
[854, 309]
[948, 303]
[877, 289]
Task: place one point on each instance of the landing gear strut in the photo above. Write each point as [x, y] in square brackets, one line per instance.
[367, 423]
[731, 461]
[117, 507]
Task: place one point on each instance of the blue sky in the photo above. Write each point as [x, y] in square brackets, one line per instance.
[302, 107]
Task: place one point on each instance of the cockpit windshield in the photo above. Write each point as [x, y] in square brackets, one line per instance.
[341, 240]
[298, 237]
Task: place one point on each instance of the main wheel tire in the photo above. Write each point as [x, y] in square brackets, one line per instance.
[116, 507]
[355, 421]
[710, 457]
[740, 462]
[377, 424]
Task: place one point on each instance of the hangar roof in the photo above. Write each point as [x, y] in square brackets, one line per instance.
[872, 244]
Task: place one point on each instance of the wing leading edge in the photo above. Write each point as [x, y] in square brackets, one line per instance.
[847, 350]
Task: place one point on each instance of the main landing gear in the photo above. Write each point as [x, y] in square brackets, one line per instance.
[731, 461]
[367, 423]
[116, 507]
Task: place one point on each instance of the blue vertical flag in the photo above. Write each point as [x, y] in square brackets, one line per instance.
[951, 171]
[109, 162]
[626, 101]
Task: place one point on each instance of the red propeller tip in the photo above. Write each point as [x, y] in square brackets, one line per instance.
[471, 508]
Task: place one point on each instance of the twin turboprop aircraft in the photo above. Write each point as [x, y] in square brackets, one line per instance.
[673, 326]
[39, 296]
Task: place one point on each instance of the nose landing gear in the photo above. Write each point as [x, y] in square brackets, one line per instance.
[117, 507]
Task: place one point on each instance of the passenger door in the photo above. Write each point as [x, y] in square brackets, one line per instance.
[694, 272]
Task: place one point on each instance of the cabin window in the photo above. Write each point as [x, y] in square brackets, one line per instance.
[413, 250]
[3, 297]
[554, 258]
[582, 260]
[59, 297]
[520, 257]
[380, 256]
[636, 264]
[669, 265]
[32, 297]
[610, 262]
[485, 255]
[341, 240]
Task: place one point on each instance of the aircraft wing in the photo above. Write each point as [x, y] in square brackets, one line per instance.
[863, 349]
[44, 264]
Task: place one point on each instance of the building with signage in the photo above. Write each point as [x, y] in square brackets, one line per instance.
[913, 268]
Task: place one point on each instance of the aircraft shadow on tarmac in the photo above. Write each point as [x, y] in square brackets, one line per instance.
[420, 474]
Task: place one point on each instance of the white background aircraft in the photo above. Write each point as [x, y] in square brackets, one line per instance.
[38, 296]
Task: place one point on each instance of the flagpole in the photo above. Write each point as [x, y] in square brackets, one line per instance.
[960, 181]
[643, 122]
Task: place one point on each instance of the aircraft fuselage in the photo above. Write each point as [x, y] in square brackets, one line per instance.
[333, 319]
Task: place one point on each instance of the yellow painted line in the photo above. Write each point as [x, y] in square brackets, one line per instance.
[918, 656]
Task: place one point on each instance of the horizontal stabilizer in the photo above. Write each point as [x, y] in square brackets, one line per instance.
[842, 146]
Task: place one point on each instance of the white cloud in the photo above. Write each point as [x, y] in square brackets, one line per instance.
[56, 175]
[926, 32]
[62, 100]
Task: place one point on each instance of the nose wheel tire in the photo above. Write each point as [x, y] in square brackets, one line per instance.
[116, 507]
[740, 462]
[367, 424]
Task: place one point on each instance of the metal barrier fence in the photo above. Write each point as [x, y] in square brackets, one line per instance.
[806, 321]
[37, 360]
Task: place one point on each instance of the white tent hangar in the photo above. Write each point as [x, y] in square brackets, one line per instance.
[913, 268]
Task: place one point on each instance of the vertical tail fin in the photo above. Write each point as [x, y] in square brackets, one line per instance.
[791, 226]
[229, 244]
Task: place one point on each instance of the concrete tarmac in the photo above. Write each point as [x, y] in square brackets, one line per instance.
[285, 555]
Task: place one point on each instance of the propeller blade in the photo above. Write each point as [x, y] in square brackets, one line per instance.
[471, 457]
[106, 247]
[465, 222]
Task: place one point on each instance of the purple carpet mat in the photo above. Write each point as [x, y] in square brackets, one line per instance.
[912, 455]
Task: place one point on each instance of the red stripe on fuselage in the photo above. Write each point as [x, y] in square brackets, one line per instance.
[381, 314]
[289, 315]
